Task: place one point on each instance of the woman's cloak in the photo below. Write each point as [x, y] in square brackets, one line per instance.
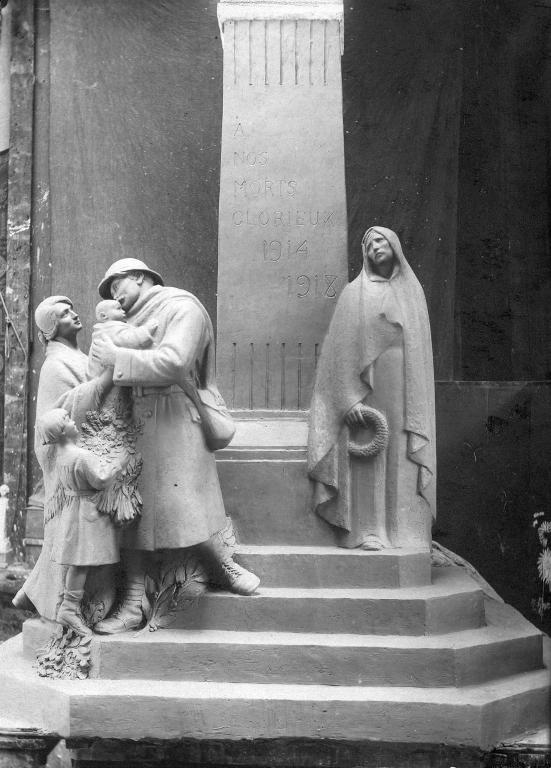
[365, 323]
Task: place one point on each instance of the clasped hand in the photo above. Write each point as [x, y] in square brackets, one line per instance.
[354, 417]
[104, 350]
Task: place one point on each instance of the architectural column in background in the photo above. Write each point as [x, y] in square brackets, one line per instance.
[5, 45]
[18, 268]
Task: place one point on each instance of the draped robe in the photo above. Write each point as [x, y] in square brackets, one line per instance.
[377, 351]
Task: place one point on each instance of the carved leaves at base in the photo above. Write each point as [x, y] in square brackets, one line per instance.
[93, 610]
[175, 587]
[66, 657]
[177, 583]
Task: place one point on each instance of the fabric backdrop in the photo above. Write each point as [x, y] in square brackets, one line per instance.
[446, 116]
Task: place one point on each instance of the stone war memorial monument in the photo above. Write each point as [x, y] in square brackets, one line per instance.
[238, 566]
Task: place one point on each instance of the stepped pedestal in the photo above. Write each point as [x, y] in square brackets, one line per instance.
[342, 657]
[430, 664]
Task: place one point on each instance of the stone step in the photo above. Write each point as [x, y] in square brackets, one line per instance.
[508, 645]
[302, 566]
[480, 715]
[267, 498]
[264, 481]
[451, 603]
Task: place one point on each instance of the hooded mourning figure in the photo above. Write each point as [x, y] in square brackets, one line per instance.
[377, 353]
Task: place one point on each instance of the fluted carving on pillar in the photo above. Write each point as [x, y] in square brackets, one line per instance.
[273, 52]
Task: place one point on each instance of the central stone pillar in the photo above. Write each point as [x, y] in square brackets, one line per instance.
[282, 258]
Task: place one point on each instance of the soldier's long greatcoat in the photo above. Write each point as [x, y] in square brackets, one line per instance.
[182, 501]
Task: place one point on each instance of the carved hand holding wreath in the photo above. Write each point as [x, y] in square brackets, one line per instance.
[375, 420]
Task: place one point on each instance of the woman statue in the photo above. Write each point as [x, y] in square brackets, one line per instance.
[62, 384]
[371, 451]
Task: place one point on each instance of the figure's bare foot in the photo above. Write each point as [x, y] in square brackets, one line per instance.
[373, 543]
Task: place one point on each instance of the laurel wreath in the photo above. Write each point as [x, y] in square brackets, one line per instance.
[376, 421]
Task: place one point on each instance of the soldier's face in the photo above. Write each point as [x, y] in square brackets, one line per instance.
[126, 290]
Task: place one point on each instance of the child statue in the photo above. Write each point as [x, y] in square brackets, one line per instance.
[85, 537]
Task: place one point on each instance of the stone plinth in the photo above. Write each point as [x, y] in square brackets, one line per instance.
[335, 567]
[282, 257]
[425, 665]
[264, 481]
[475, 687]
[467, 657]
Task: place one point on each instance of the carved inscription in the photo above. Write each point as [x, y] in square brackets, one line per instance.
[325, 286]
[251, 189]
[250, 158]
[238, 131]
[274, 249]
[270, 199]
[282, 218]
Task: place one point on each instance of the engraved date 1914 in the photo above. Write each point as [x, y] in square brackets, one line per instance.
[275, 249]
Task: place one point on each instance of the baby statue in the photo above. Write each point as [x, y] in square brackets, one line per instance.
[115, 422]
[85, 536]
[111, 319]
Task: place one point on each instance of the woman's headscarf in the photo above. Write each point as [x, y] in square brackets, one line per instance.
[364, 324]
[46, 318]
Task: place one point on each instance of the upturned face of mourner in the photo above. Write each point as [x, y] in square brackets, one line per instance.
[381, 255]
[68, 321]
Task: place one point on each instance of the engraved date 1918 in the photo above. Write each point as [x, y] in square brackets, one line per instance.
[324, 286]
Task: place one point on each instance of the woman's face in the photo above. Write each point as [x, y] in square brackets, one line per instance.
[380, 253]
[68, 322]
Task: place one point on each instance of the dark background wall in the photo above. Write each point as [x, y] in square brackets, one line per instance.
[446, 116]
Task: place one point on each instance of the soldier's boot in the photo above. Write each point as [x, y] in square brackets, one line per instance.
[225, 572]
[128, 615]
[238, 579]
[69, 615]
